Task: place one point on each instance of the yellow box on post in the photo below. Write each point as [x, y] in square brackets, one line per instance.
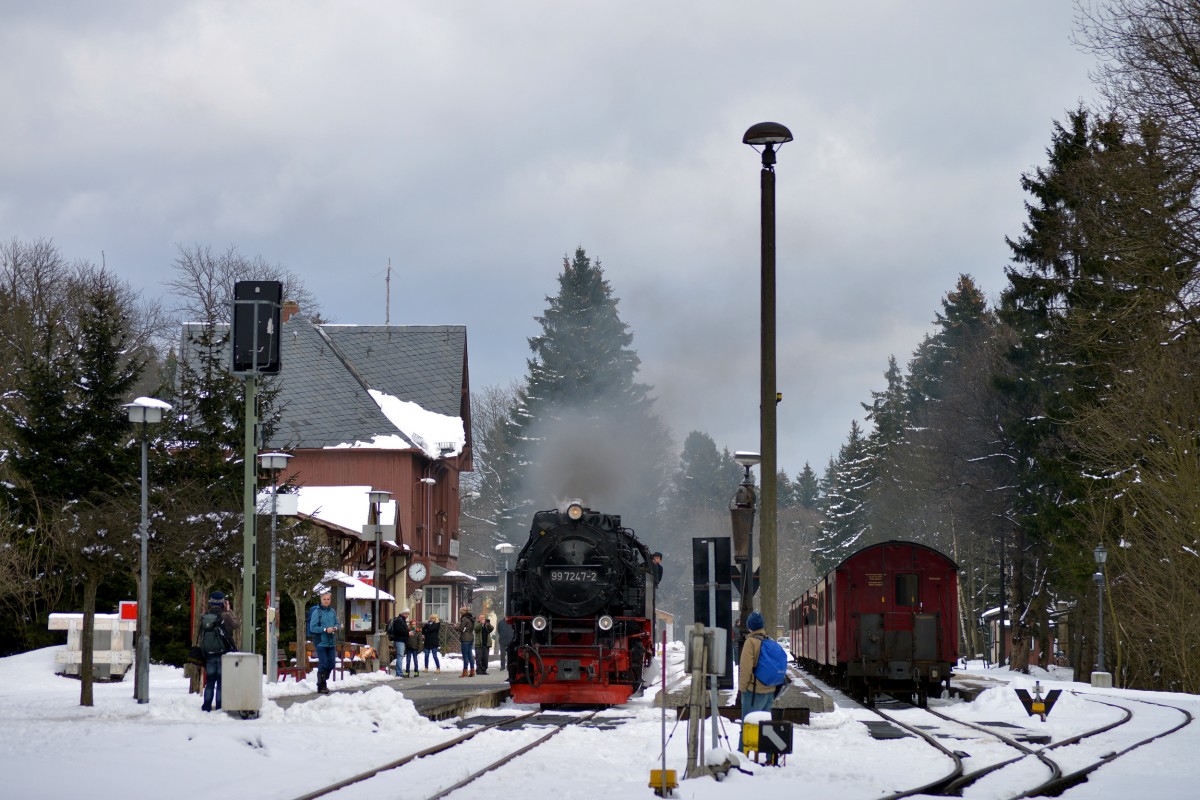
[663, 783]
[749, 737]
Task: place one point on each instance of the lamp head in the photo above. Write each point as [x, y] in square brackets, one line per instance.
[273, 461]
[767, 133]
[1100, 554]
[146, 409]
[378, 497]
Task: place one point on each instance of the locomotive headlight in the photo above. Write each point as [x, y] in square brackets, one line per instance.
[539, 623]
[575, 512]
[605, 623]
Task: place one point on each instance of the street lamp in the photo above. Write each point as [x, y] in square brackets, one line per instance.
[768, 135]
[741, 513]
[1101, 555]
[144, 410]
[507, 549]
[377, 498]
[273, 462]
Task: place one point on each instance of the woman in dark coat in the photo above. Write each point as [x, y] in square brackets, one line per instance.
[432, 631]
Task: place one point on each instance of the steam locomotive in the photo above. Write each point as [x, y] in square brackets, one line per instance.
[581, 607]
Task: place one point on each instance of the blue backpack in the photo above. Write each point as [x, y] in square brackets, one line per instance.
[308, 634]
[771, 667]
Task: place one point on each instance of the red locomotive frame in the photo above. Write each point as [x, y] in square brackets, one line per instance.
[573, 667]
[885, 619]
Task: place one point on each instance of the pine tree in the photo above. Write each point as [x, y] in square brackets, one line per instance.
[706, 479]
[584, 427]
[807, 489]
[846, 526]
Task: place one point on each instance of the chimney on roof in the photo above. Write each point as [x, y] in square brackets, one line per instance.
[290, 309]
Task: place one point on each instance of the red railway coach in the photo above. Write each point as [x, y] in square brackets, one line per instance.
[885, 619]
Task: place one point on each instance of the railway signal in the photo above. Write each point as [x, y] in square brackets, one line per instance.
[1035, 704]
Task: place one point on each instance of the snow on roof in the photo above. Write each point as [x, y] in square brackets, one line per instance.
[355, 589]
[347, 507]
[436, 434]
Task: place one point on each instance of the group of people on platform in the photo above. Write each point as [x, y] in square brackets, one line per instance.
[474, 641]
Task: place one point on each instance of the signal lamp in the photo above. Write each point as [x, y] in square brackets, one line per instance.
[575, 512]
[606, 623]
[539, 623]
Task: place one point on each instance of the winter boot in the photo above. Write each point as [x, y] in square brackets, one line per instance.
[464, 674]
[472, 673]
[416, 674]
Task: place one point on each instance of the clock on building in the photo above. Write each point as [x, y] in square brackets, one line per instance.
[417, 571]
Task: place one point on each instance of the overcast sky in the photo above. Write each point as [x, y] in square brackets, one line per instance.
[476, 143]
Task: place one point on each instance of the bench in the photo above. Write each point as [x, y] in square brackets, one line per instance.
[299, 672]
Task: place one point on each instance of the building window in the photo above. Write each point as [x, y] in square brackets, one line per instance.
[437, 601]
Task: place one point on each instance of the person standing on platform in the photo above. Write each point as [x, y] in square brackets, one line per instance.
[323, 628]
[398, 632]
[431, 631]
[216, 639]
[466, 640]
[483, 642]
[504, 637]
[755, 696]
[411, 659]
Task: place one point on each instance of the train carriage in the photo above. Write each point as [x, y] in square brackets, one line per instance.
[581, 606]
[885, 619]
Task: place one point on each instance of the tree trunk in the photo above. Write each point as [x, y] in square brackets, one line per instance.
[301, 636]
[88, 643]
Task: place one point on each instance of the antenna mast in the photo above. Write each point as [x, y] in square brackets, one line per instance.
[387, 304]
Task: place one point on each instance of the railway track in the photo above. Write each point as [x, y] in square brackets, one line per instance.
[437, 771]
[1047, 770]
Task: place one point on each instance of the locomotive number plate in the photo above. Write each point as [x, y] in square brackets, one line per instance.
[574, 575]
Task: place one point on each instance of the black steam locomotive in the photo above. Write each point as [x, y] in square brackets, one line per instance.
[581, 606]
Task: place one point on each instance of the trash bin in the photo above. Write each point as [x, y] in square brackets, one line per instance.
[241, 683]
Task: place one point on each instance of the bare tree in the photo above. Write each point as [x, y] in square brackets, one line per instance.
[204, 280]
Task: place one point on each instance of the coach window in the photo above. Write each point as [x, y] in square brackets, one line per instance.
[906, 590]
[821, 607]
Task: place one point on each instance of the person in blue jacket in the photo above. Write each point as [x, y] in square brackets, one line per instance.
[323, 627]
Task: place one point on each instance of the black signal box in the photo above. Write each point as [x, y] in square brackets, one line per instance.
[256, 311]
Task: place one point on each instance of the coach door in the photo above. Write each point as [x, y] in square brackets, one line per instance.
[925, 635]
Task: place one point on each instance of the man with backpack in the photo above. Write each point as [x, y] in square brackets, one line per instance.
[323, 628]
[759, 671]
[216, 639]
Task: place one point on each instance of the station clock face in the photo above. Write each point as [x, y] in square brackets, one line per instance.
[417, 571]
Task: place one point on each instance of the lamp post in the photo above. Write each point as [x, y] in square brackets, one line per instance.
[273, 462]
[507, 549]
[377, 498]
[144, 410]
[1101, 555]
[768, 135]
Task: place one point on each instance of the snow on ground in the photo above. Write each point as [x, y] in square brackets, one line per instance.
[51, 747]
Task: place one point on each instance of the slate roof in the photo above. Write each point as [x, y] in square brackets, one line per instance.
[419, 363]
[327, 369]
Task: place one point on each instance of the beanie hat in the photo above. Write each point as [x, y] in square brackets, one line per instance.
[404, 613]
[216, 599]
[754, 622]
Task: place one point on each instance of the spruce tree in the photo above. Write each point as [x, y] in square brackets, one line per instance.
[807, 489]
[583, 425]
[846, 526]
